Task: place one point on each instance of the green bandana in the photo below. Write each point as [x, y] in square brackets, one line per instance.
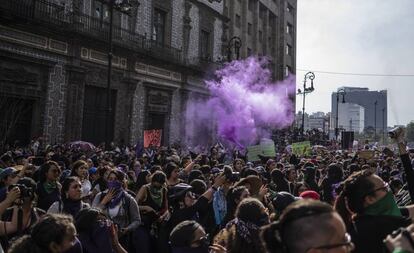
[384, 206]
[156, 195]
[50, 186]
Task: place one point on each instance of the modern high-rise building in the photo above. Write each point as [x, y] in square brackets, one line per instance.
[351, 117]
[265, 28]
[374, 105]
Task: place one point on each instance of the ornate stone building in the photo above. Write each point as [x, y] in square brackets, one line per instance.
[53, 67]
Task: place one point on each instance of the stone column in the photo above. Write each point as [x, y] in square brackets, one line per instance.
[54, 120]
[175, 117]
[75, 100]
[137, 112]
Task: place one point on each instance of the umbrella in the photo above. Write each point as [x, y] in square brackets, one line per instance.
[82, 145]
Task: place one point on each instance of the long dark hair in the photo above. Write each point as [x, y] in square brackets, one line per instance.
[76, 166]
[44, 169]
[250, 211]
[351, 200]
[142, 178]
[66, 185]
[50, 228]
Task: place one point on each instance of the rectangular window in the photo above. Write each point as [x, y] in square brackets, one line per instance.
[262, 13]
[158, 28]
[205, 45]
[288, 49]
[251, 5]
[260, 36]
[238, 21]
[289, 8]
[288, 70]
[249, 29]
[289, 28]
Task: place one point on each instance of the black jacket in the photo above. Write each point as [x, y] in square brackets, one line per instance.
[369, 231]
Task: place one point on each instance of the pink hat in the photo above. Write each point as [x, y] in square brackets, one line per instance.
[310, 195]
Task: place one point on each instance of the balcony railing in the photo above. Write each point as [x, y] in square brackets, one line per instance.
[60, 18]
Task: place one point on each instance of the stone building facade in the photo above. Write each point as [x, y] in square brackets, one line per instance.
[53, 67]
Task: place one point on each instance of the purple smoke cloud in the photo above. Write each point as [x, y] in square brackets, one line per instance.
[244, 106]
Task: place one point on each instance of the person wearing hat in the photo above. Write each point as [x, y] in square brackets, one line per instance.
[310, 195]
[186, 206]
[8, 176]
[280, 201]
[252, 183]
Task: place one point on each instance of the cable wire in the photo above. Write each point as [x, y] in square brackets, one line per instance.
[356, 74]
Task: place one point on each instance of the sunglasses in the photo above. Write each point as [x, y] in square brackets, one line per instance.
[348, 244]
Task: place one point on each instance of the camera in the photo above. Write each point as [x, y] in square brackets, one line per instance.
[25, 192]
[396, 132]
[231, 176]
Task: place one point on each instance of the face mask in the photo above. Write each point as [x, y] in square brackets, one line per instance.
[116, 185]
[384, 206]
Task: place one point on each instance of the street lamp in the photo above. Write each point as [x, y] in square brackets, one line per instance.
[343, 93]
[383, 126]
[306, 90]
[125, 7]
[375, 120]
[236, 43]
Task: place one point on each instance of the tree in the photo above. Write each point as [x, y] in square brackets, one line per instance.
[410, 131]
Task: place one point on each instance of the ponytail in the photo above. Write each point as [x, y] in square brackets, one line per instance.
[341, 206]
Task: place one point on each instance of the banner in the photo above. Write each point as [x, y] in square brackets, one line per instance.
[152, 138]
[301, 148]
[266, 148]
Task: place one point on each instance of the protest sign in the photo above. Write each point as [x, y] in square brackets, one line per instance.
[152, 138]
[366, 154]
[253, 153]
[301, 148]
[265, 148]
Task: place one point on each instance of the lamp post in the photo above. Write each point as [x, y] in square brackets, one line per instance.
[123, 6]
[375, 120]
[383, 126]
[236, 43]
[343, 93]
[306, 90]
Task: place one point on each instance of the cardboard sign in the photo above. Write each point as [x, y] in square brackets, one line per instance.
[152, 138]
[301, 148]
[366, 154]
[266, 148]
[253, 153]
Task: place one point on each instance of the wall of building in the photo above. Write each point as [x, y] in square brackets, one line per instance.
[66, 65]
[366, 99]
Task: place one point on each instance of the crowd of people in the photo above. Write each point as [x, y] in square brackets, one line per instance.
[166, 199]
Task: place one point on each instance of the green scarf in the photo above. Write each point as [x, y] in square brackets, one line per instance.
[384, 206]
[50, 186]
[156, 195]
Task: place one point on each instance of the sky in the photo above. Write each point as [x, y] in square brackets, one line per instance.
[354, 36]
